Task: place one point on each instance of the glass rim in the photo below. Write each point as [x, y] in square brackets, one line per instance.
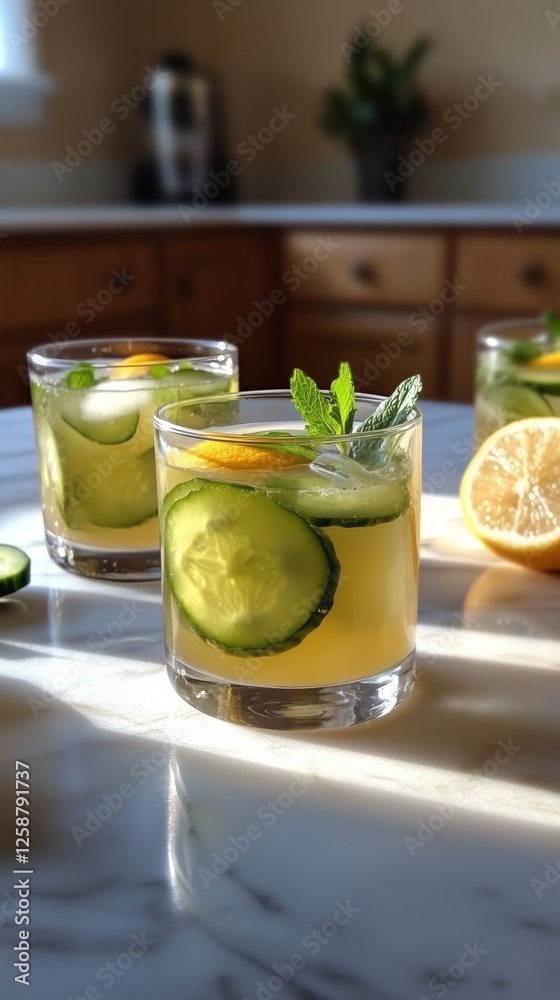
[39, 356]
[161, 422]
[497, 331]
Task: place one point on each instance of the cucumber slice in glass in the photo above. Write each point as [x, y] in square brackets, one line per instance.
[251, 577]
[179, 492]
[541, 381]
[515, 402]
[350, 506]
[15, 569]
[109, 412]
[126, 498]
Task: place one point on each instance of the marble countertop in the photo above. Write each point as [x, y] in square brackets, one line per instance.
[409, 215]
[177, 856]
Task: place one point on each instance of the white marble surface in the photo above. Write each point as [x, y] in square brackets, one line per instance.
[442, 841]
[409, 215]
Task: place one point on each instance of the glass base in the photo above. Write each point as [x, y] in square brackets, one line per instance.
[290, 708]
[135, 566]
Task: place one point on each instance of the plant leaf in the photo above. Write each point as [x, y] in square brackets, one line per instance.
[523, 351]
[552, 322]
[312, 405]
[81, 377]
[394, 410]
[343, 399]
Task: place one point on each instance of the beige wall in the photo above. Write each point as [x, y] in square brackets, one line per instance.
[285, 52]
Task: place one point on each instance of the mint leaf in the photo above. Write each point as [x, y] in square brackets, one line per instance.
[552, 322]
[397, 408]
[343, 399]
[81, 377]
[313, 406]
[523, 351]
[394, 410]
[160, 371]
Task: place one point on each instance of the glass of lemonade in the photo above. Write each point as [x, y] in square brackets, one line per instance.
[93, 403]
[290, 563]
[517, 376]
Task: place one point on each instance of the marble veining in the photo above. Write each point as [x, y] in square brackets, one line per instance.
[178, 857]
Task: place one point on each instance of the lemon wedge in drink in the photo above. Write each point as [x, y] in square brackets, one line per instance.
[510, 493]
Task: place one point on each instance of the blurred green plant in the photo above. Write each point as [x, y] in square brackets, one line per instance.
[381, 96]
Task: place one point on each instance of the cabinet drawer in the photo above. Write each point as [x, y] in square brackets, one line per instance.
[43, 285]
[381, 348]
[510, 273]
[366, 269]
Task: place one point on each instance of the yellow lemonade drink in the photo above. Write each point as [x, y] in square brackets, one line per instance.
[286, 567]
[371, 623]
[94, 435]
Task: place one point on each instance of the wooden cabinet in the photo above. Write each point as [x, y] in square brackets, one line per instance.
[380, 347]
[219, 285]
[349, 302]
[366, 269]
[382, 299]
[509, 274]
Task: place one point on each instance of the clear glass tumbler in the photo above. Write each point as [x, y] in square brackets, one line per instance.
[290, 563]
[93, 403]
[517, 375]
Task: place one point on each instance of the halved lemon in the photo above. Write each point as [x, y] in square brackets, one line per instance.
[510, 493]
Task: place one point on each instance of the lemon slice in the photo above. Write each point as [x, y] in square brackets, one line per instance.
[129, 367]
[550, 360]
[510, 493]
[219, 455]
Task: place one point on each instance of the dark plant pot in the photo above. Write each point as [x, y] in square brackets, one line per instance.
[373, 163]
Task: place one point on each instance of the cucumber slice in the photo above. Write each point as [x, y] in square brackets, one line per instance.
[109, 412]
[15, 569]
[127, 497]
[189, 383]
[179, 492]
[541, 381]
[515, 402]
[251, 576]
[352, 506]
[53, 469]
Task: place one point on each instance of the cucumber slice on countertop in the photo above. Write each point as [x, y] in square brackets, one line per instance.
[15, 570]
[515, 402]
[251, 576]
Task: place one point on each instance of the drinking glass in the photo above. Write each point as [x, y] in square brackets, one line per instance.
[93, 403]
[510, 384]
[290, 562]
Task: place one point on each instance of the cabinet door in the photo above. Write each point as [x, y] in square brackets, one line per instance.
[509, 273]
[46, 284]
[219, 285]
[381, 348]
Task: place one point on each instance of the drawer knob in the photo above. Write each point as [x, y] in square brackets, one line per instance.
[532, 274]
[183, 286]
[363, 272]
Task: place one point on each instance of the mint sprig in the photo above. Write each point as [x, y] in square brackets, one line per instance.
[524, 351]
[325, 415]
[392, 411]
